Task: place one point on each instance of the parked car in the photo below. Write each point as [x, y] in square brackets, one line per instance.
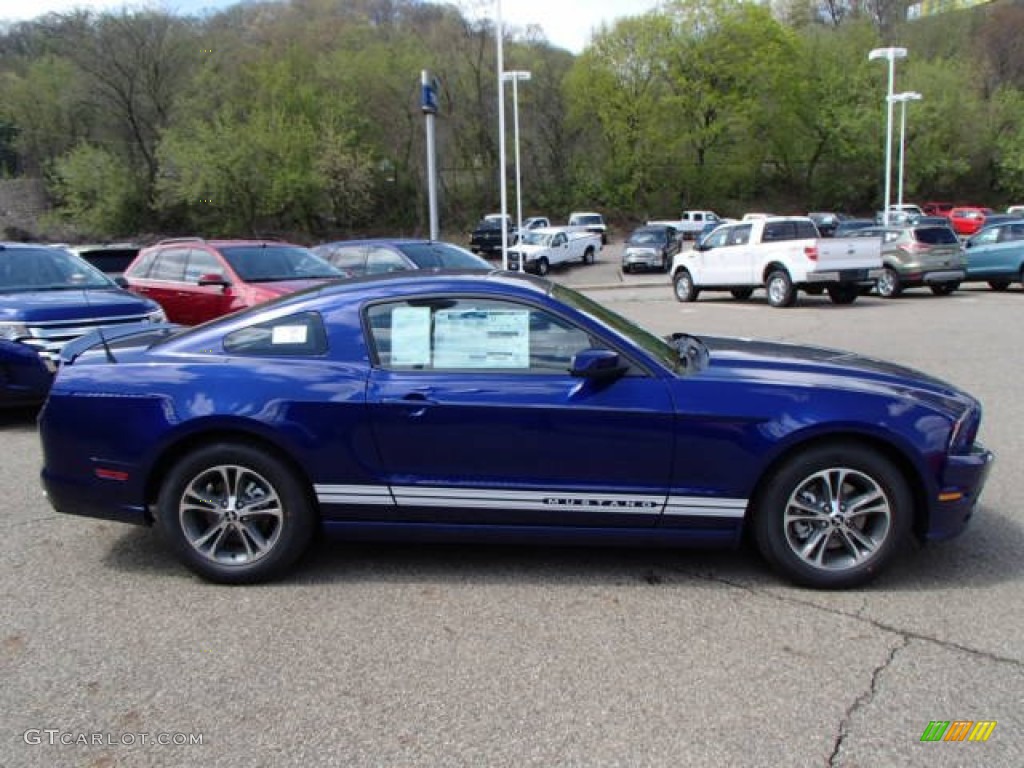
[900, 214]
[967, 220]
[540, 249]
[825, 222]
[503, 408]
[196, 280]
[591, 222]
[48, 297]
[933, 221]
[783, 255]
[1015, 210]
[486, 235]
[996, 255]
[917, 256]
[362, 257]
[845, 227]
[993, 219]
[109, 258]
[651, 247]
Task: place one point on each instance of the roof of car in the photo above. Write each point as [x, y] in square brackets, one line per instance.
[385, 241]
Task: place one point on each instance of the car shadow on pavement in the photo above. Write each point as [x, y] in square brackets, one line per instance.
[986, 554]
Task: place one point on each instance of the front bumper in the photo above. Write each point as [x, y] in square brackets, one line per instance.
[641, 259]
[962, 484]
[25, 377]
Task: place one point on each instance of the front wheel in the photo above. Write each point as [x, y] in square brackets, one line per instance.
[998, 285]
[683, 287]
[833, 516]
[843, 294]
[235, 514]
[944, 289]
[781, 292]
[888, 285]
[542, 266]
[588, 256]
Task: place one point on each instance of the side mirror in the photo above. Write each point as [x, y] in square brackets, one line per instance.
[598, 364]
[213, 278]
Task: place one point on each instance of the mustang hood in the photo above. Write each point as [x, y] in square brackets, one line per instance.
[819, 366]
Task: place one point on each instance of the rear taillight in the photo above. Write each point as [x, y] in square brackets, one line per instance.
[811, 252]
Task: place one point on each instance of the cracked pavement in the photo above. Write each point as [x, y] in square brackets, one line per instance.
[501, 656]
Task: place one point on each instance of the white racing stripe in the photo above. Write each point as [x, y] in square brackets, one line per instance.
[496, 498]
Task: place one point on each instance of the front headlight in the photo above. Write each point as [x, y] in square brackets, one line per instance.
[965, 431]
[157, 316]
[13, 331]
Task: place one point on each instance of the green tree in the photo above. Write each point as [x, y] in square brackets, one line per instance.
[98, 192]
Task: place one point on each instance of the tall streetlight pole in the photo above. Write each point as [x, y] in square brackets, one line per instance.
[515, 76]
[891, 54]
[903, 98]
[499, 32]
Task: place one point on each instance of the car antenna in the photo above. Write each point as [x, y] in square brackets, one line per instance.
[99, 330]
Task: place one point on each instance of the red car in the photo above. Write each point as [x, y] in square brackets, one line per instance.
[196, 280]
[968, 219]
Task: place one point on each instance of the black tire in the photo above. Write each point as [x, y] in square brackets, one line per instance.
[843, 294]
[742, 294]
[998, 285]
[823, 545]
[781, 292]
[888, 285]
[626, 269]
[944, 289]
[268, 529]
[683, 287]
[588, 256]
[542, 267]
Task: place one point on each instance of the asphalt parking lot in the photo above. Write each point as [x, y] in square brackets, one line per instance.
[493, 656]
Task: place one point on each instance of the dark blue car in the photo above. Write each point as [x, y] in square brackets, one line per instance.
[48, 297]
[501, 407]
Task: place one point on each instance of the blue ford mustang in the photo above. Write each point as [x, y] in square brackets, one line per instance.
[501, 407]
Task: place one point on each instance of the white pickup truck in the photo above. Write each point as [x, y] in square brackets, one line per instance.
[541, 249]
[691, 223]
[782, 254]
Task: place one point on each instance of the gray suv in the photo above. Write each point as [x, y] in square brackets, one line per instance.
[914, 256]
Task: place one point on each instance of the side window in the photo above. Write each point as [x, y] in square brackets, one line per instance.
[201, 263]
[170, 265]
[384, 260]
[472, 335]
[805, 230]
[559, 240]
[1016, 232]
[143, 265]
[740, 235]
[301, 334]
[779, 230]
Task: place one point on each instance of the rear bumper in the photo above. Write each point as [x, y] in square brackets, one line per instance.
[864, 277]
[90, 500]
[963, 481]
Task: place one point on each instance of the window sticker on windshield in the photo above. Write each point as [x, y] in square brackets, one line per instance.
[486, 338]
[410, 336]
[288, 334]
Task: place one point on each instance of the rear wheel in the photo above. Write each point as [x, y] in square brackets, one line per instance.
[998, 285]
[833, 516]
[888, 285]
[781, 292]
[944, 289]
[742, 294]
[683, 287]
[235, 514]
[588, 256]
[843, 294]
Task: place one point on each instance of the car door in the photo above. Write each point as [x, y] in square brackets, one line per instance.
[991, 252]
[162, 282]
[205, 302]
[477, 419]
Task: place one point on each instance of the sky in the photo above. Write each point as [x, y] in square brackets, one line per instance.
[566, 23]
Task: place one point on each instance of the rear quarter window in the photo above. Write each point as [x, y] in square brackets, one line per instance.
[296, 335]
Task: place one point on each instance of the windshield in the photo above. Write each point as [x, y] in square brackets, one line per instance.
[269, 263]
[47, 269]
[652, 344]
[647, 237]
[442, 256]
[534, 238]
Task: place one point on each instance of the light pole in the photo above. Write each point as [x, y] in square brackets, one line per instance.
[499, 32]
[515, 76]
[891, 54]
[903, 98]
